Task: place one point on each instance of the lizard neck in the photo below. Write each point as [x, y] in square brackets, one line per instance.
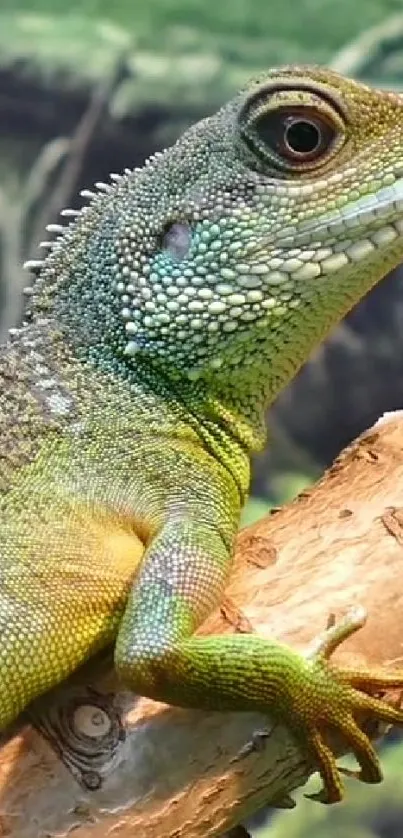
[72, 385]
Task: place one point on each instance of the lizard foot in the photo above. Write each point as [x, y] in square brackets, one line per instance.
[338, 696]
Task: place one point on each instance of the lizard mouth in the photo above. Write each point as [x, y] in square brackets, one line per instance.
[373, 221]
[368, 214]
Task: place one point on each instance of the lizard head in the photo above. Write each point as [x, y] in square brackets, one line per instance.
[229, 256]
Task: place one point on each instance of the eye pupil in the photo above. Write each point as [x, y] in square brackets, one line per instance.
[302, 136]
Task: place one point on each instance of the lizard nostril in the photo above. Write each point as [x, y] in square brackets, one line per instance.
[176, 239]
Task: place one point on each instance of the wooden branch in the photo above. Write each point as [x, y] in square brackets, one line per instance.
[113, 764]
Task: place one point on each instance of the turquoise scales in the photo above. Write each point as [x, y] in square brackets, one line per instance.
[165, 318]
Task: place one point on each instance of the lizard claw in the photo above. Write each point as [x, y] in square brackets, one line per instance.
[283, 802]
[341, 695]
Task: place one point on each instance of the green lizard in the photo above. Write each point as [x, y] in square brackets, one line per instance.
[167, 315]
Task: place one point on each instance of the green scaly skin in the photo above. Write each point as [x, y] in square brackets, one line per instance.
[164, 320]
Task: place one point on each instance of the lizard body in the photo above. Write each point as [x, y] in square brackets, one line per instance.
[164, 320]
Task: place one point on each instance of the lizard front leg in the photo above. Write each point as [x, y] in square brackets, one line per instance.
[157, 654]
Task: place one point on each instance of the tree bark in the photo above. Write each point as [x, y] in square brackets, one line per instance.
[105, 762]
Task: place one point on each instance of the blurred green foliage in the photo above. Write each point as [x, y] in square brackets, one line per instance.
[278, 31]
[198, 49]
[285, 487]
[365, 813]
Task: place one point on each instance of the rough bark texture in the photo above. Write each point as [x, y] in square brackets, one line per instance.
[112, 764]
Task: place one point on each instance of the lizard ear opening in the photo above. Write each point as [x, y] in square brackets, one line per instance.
[290, 130]
[176, 239]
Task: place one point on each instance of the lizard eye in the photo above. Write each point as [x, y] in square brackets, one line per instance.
[295, 136]
[293, 130]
